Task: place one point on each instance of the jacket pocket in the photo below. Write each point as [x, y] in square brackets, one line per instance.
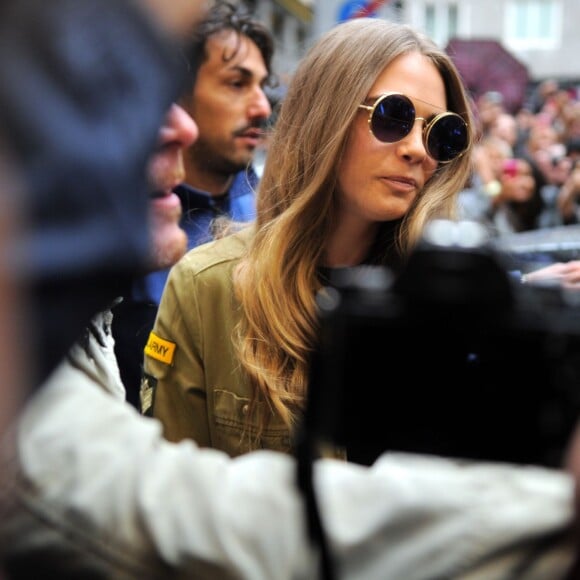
[236, 433]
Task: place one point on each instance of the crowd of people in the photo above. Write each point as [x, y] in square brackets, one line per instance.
[374, 139]
[526, 175]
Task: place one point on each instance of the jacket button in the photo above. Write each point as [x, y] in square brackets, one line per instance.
[245, 409]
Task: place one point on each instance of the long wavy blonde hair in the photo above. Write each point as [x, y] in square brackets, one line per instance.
[277, 280]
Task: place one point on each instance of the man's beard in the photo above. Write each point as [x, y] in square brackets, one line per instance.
[167, 251]
[209, 159]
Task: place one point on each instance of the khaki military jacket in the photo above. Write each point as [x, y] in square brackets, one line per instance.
[192, 380]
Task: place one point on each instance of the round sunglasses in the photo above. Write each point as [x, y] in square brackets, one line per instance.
[392, 116]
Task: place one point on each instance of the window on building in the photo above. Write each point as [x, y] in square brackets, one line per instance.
[277, 23]
[394, 10]
[533, 24]
[301, 37]
[452, 21]
[441, 21]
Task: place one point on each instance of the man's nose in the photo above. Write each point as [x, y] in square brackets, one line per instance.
[260, 106]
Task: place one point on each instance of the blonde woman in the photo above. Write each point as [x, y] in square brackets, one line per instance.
[372, 141]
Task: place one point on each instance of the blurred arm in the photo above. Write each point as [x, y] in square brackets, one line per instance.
[99, 492]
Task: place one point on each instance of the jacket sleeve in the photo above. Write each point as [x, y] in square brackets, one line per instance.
[97, 492]
[174, 386]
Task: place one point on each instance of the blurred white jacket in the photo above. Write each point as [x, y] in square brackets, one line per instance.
[92, 490]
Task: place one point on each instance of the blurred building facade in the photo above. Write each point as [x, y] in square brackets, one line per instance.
[542, 34]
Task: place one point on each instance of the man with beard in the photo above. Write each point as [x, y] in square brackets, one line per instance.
[229, 70]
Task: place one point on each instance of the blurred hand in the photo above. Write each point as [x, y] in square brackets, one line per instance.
[566, 273]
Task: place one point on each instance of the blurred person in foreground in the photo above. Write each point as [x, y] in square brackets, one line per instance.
[229, 69]
[14, 379]
[98, 493]
[92, 357]
[86, 60]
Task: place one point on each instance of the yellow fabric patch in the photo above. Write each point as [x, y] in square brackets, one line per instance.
[160, 349]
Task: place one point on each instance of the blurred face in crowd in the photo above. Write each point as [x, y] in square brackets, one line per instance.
[548, 153]
[496, 150]
[518, 180]
[230, 107]
[505, 127]
[489, 107]
[166, 171]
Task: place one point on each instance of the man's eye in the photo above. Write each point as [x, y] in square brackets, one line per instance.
[237, 82]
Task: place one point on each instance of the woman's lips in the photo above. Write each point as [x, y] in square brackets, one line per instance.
[400, 183]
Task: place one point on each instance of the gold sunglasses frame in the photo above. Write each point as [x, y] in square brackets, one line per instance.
[427, 125]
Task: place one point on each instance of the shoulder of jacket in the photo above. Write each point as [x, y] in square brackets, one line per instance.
[219, 252]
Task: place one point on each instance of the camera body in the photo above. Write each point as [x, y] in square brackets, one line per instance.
[451, 357]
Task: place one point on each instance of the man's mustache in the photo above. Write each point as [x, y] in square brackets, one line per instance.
[262, 125]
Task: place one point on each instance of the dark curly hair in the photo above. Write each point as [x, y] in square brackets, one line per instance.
[222, 16]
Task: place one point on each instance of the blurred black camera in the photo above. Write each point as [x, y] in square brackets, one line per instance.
[453, 356]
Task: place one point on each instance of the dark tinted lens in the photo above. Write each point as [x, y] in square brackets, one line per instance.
[393, 118]
[447, 137]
